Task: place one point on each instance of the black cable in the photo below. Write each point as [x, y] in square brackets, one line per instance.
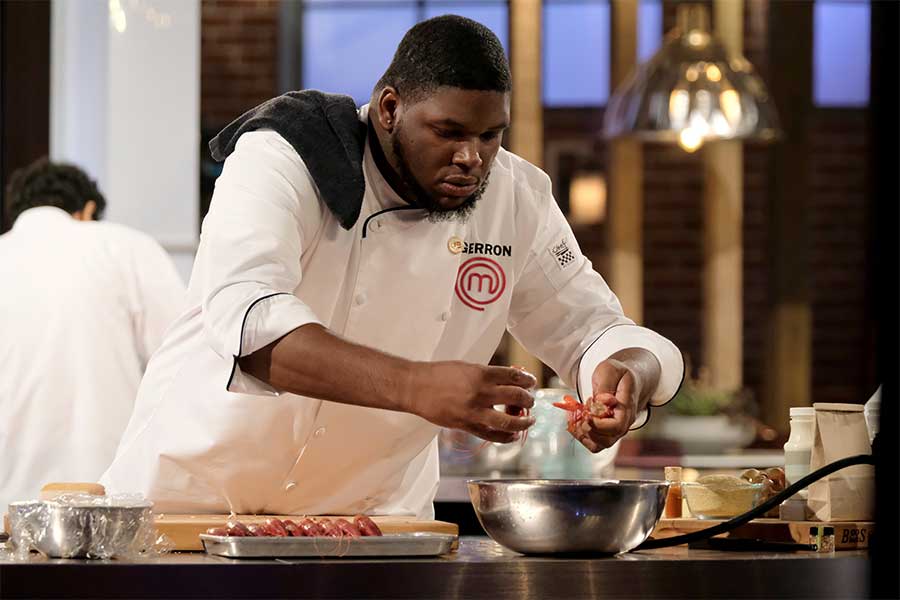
[861, 459]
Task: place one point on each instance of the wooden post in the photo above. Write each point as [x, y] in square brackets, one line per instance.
[626, 209]
[788, 359]
[723, 164]
[527, 128]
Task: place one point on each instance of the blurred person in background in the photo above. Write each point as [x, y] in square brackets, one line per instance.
[84, 305]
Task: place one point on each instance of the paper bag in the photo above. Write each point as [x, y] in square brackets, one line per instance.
[849, 494]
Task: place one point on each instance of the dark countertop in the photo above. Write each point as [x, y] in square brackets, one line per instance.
[481, 569]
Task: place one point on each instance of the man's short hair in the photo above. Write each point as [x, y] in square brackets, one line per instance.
[447, 51]
[44, 183]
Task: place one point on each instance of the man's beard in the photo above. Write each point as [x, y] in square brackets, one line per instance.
[436, 213]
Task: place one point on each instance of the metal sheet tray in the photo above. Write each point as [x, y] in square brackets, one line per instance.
[394, 544]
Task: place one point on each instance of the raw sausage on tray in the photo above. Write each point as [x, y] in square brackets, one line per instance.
[362, 526]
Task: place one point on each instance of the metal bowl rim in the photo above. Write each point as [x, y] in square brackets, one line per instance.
[569, 483]
[55, 504]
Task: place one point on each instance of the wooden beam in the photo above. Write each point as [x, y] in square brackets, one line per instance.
[788, 372]
[527, 127]
[723, 165]
[626, 202]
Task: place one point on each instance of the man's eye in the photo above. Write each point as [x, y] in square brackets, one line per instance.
[446, 133]
[490, 135]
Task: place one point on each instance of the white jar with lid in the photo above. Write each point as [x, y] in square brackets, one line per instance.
[798, 449]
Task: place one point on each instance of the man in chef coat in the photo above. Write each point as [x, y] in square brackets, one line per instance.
[356, 272]
[83, 307]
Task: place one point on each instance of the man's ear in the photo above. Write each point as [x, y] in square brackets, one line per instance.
[87, 213]
[389, 104]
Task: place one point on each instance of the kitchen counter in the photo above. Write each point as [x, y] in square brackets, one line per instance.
[481, 569]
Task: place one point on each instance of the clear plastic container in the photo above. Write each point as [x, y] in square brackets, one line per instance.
[550, 451]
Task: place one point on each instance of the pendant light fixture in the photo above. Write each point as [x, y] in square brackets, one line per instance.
[692, 91]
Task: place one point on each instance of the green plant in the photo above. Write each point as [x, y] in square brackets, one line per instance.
[698, 398]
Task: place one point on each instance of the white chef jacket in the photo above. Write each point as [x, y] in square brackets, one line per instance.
[206, 437]
[83, 307]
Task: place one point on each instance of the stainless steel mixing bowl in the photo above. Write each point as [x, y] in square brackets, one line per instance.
[554, 516]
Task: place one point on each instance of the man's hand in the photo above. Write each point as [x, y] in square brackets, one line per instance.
[462, 395]
[622, 386]
[312, 361]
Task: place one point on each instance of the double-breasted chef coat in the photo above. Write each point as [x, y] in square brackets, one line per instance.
[205, 437]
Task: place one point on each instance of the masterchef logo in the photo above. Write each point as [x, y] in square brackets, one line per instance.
[479, 282]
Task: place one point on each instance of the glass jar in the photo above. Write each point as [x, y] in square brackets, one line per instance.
[674, 494]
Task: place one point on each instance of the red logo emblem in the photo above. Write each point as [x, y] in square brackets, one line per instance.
[480, 281]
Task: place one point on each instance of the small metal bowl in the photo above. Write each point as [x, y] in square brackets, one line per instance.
[66, 531]
[549, 516]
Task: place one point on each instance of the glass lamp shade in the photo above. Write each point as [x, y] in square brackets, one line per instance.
[692, 91]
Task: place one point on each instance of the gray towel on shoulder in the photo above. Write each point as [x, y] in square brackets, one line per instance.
[326, 132]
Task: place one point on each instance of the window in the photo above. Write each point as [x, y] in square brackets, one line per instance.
[841, 53]
[348, 44]
[576, 53]
[343, 52]
[577, 49]
[494, 15]
[650, 29]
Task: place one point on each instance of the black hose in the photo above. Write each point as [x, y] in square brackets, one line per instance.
[861, 459]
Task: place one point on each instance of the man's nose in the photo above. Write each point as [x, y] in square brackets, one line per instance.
[467, 155]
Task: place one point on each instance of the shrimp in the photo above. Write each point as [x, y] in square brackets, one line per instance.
[578, 412]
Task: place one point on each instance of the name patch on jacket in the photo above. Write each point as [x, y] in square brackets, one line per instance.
[487, 249]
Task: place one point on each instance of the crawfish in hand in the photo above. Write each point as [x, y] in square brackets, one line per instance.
[578, 412]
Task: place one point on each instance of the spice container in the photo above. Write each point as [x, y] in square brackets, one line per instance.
[674, 495]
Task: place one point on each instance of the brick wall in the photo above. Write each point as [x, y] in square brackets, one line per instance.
[239, 57]
[838, 227]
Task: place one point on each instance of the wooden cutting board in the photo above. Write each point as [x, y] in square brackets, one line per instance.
[184, 530]
[847, 535]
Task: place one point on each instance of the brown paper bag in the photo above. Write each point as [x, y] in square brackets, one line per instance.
[849, 494]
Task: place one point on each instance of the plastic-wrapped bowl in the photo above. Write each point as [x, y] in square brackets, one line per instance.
[721, 501]
[81, 528]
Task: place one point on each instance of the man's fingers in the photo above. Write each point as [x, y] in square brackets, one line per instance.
[510, 395]
[616, 425]
[596, 443]
[510, 376]
[590, 444]
[501, 421]
[491, 435]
